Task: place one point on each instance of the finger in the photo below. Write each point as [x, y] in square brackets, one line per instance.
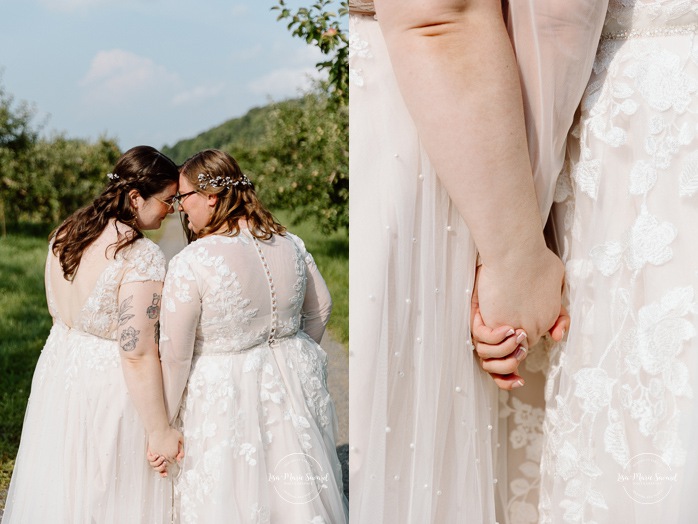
[561, 326]
[159, 461]
[503, 349]
[483, 333]
[508, 382]
[504, 366]
[180, 455]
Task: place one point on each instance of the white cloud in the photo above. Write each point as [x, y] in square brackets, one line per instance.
[118, 75]
[73, 5]
[196, 94]
[246, 54]
[70, 5]
[284, 82]
[239, 10]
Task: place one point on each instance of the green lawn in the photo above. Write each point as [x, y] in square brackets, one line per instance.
[24, 326]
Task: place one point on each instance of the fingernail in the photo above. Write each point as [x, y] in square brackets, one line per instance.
[521, 337]
[563, 333]
[519, 383]
[510, 332]
[520, 353]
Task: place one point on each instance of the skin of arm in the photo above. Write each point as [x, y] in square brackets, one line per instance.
[457, 74]
[137, 335]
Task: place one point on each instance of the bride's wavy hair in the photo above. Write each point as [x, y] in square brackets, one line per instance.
[237, 198]
[142, 168]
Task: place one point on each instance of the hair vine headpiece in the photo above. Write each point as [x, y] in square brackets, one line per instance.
[206, 180]
[112, 176]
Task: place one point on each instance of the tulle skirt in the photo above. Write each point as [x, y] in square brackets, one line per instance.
[82, 454]
[259, 429]
[423, 420]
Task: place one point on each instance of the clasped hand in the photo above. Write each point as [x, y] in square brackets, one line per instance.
[164, 448]
[513, 305]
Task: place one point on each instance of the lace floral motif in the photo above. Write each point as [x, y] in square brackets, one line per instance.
[621, 385]
[358, 48]
[142, 262]
[525, 424]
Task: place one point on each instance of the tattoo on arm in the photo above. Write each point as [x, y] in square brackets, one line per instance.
[123, 311]
[153, 310]
[129, 338]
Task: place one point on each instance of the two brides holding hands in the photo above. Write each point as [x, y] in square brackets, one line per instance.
[236, 400]
[473, 123]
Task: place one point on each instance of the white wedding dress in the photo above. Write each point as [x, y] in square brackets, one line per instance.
[246, 380]
[431, 439]
[82, 457]
[622, 422]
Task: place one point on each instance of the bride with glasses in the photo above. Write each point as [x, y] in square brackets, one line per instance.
[244, 307]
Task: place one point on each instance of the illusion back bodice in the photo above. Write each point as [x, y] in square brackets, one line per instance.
[245, 291]
[90, 303]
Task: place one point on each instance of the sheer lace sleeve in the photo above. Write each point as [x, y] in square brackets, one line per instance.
[317, 304]
[555, 45]
[179, 320]
[145, 261]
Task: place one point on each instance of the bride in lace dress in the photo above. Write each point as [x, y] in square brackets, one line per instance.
[621, 421]
[429, 180]
[244, 309]
[96, 397]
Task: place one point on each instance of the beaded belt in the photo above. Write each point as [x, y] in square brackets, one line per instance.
[649, 32]
[360, 7]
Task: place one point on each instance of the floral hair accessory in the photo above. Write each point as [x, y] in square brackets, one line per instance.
[112, 176]
[206, 180]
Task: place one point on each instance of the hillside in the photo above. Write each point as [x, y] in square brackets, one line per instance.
[242, 131]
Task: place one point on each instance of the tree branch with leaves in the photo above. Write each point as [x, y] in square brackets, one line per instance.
[320, 26]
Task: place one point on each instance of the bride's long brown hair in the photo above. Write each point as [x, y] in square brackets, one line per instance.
[235, 202]
[142, 168]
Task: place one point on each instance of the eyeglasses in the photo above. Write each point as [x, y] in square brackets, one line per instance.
[170, 204]
[179, 198]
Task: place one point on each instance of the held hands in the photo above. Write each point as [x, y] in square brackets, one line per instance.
[164, 447]
[502, 349]
[524, 291]
[529, 297]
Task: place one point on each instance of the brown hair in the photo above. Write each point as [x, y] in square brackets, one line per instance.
[236, 201]
[142, 168]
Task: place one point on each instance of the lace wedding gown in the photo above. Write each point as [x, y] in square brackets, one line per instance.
[431, 438]
[82, 457]
[622, 421]
[240, 321]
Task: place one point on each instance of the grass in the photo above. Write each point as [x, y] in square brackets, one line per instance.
[331, 254]
[24, 326]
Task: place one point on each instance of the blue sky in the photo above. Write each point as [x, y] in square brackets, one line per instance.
[148, 71]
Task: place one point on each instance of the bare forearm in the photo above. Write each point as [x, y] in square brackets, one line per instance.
[144, 382]
[458, 76]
